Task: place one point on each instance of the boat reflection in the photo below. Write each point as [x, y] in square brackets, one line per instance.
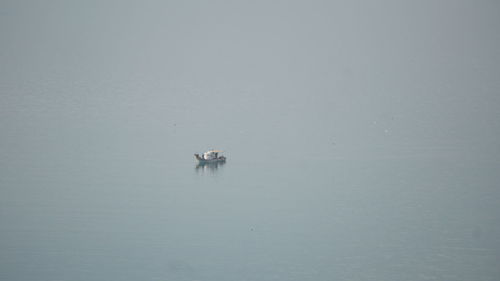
[209, 166]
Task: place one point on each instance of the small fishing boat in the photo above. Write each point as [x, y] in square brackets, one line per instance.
[211, 156]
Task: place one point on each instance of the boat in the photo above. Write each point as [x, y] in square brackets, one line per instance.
[211, 156]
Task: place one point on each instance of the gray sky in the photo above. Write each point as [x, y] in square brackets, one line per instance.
[353, 72]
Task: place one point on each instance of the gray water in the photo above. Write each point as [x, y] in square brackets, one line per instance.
[362, 141]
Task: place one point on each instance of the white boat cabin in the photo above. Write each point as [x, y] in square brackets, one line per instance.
[211, 154]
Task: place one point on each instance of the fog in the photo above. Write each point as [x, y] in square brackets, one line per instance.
[113, 92]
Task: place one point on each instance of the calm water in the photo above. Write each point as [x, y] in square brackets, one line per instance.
[134, 209]
[363, 141]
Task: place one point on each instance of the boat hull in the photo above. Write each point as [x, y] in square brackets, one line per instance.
[206, 161]
[202, 161]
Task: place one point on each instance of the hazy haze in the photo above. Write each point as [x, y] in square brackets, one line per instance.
[393, 105]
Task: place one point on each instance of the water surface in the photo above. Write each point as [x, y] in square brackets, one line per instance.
[362, 141]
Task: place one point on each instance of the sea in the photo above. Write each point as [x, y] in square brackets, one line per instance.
[362, 141]
[98, 197]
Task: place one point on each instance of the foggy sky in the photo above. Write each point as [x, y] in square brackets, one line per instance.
[350, 72]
